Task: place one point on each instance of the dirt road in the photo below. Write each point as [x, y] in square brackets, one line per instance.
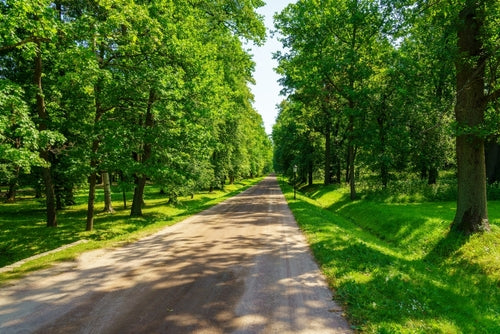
[240, 267]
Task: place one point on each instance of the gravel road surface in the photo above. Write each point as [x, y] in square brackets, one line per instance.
[242, 266]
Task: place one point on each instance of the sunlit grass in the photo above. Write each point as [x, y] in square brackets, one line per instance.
[24, 233]
[395, 266]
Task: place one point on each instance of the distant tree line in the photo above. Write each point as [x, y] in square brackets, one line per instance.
[140, 90]
[386, 86]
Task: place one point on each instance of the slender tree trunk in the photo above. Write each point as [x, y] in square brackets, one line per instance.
[137, 202]
[472, 212]
[99, 112]
[108, 205]
[124, 193]
[69, 197]
[328, 154]
[50, 196]
[91, 201]
[351, 156]
[384, 166]
[59, 199]
[310, 171]
[92, 180]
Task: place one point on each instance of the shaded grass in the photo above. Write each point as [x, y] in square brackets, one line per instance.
[397, 269]
[24, 231]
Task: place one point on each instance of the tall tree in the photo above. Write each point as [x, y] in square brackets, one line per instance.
[473, 96]
[32, 27]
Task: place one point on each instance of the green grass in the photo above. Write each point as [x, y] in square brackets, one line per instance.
[24, 233]
[396, 268]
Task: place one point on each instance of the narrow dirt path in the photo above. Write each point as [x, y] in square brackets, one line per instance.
[242, 266]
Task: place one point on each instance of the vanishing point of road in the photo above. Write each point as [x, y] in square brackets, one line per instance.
[242, 266]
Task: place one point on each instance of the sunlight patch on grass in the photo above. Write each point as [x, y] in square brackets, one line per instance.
[397, 268]
[24, 231]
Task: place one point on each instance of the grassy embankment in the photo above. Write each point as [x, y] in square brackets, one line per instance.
[395, 266]
[24, 233]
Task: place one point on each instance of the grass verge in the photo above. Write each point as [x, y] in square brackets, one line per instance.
[24, 233]
[396, 268]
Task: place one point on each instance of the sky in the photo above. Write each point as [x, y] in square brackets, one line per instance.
[267, 90]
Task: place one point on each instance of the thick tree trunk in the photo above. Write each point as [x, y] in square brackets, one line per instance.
[137, 202]
[50, 195]
[472, 212]
[108, 205]
[433, 175]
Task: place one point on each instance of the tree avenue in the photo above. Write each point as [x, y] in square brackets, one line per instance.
[139, 91]
[379, 87]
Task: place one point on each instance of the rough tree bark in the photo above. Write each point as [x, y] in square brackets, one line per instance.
[50, 195]
[136, 210]
[108, 204]
[328, 154]
[351, 157]
[472, 212]
[99, 112]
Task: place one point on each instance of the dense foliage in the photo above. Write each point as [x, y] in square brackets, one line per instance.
[376, 87]
[139, 90]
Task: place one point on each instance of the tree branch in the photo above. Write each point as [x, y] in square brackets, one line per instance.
[32, 39]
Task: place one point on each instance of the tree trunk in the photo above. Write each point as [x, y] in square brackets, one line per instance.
[138, 200]
[351, 156]
[10, 197]
[50, 196]
[108, 205]
[472, 212]
[310, 172]
[433, 175]
[38, 190]
[384, 166]
[69, 197]
[492, 151]
[124, 195]
[328, 154]
[91, 201]
[136, 210]
[92, 178]
[59, 199]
